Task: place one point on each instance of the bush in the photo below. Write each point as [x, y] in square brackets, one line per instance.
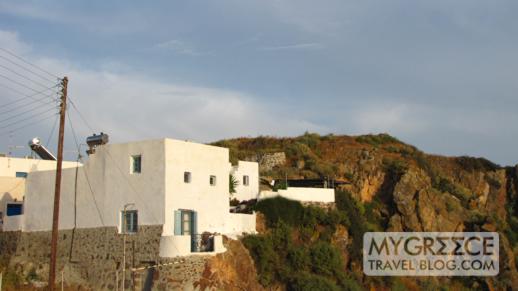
[326, 260]
[445, 185]
[476, 164]
[299, 259]
[310, 139]
[377, 140]
[310, 282]
[395, 168]
[262, 251]
[354, 212]
[279, 208]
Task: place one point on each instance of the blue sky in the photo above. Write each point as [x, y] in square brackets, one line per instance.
[441, 75]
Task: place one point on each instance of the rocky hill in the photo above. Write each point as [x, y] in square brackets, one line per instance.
[388, 186]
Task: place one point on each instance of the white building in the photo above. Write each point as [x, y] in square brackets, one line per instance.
[247, 178]
[181, 186]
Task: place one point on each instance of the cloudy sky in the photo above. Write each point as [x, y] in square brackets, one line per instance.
[441, 75]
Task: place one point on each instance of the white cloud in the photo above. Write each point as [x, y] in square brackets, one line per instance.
[179, 47]
[298, 46]
[131, 106]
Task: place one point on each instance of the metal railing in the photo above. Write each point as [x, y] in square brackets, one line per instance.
[201, 243]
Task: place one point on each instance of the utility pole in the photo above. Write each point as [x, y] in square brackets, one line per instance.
[57, 193]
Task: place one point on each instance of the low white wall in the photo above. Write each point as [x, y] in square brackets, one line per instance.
[175, 246]
[180, 245]
[239, 223]
[302, 194]
[13, 223]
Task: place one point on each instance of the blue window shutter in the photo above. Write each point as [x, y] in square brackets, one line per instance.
[177, 222]
[194, 222]
[135, 222]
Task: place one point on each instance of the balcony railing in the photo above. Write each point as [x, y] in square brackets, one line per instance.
[201, 243]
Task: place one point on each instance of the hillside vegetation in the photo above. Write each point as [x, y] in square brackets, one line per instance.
[389, 186]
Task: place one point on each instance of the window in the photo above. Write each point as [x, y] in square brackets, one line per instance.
[185, 222]
[136, 164]
[14, 209]
[246, 180]
[129, 221]
[212, 180]
[21, 174]
[187, 177]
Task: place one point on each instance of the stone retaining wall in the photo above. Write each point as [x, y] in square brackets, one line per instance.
[90, 258]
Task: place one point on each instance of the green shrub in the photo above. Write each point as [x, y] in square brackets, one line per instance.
[279, 208]
[476, 164]
[325, 259]
[299, 259]
[377, 140]
[232, 184]
[310, 282]
[354, 211]
[394, 167]
[310, 139]
[265, 257]
[445, 185]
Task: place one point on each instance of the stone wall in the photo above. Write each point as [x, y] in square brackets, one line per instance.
[90, 258]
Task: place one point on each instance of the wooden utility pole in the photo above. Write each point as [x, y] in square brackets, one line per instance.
[57, 193]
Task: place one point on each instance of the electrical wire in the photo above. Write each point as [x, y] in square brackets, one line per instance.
[84, 170]
[29, 70]
[46, 145]
[24, 105]
[26, 125]
[26, 119]
[81, 115]
[18, 83]
[28, 111]
[33, 109]
[29, 63]
[25, 95]
[23, 76]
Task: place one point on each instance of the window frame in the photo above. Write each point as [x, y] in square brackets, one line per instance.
[133, 159]
[22, 175]
[246, 180]
[125, 227]
[187, 177]
[213, 180]
[8, 205]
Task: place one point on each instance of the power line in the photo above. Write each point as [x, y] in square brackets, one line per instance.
[84, 170]
[23, 94]
[23, 76]
[26, 119]
[28, 124]
[23, 105]
[29, 70]
[46, 145]
[18, 83]
[29, 63]
[81, 115]
[25, 112]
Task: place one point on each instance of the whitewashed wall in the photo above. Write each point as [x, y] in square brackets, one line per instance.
[250, 191]
[9, 165]
[112, 186]
[302, 194]
[210, 202]
[239, 223]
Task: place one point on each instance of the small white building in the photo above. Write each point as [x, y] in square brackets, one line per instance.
[247, 178]
[181, 186]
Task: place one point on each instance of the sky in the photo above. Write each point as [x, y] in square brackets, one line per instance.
[441, 75]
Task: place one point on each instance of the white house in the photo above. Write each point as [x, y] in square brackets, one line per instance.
[247, 178]
[13, 175]
[181, 186]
